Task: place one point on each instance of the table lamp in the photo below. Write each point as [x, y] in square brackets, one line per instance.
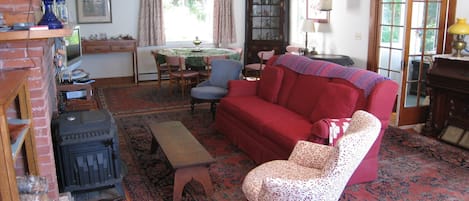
[460, 29]
[308, 26]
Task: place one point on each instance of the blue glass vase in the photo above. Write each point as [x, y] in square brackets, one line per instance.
[49, 18]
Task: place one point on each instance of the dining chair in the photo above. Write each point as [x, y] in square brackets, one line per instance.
[162, 67]
[291, 49]
[180, 76]
[258, 67]
[205, 74]
[238, 50]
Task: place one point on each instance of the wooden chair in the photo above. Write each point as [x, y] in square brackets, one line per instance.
[205, 74]
[239, 50]
[162, 67]
[186, 78]
[258, 67]
[291, 49]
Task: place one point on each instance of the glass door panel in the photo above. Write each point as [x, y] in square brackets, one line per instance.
[409, 37]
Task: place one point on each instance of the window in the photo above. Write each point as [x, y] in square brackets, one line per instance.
[186, 19]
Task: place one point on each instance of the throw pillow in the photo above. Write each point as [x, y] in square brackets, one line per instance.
[336, 101]
[331, 129]
[270, 83]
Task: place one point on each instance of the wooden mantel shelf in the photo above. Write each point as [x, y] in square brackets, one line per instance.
[40, 34]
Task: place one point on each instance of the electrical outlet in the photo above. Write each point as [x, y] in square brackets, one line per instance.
[358, 36]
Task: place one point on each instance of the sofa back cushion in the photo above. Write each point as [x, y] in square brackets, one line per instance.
[270, 83]
[305, 93]
[336, 101]
[289, 79]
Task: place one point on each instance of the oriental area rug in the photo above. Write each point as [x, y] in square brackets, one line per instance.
[412, 167]
[141, 98]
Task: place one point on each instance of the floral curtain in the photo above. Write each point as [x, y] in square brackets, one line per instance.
[224, 30]
[150, 23]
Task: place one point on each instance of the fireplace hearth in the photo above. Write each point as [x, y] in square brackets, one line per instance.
[86, 149]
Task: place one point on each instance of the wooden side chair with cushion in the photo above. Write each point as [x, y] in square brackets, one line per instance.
[258, 67]
[205, 74]
[185, 78]
[238, 50]
[291, 49]
[162, 67]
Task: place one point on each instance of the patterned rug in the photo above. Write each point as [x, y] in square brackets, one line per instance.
[141, 98]
[412, 167]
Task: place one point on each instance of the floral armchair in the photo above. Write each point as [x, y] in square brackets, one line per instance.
[314, 171]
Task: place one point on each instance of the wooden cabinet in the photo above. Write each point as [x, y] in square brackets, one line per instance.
[113, 46]
[448, 82]
[266, 27]
[15, 92]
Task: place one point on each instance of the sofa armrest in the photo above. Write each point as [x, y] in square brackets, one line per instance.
[330, 130]
[242, 88]
[309, 154]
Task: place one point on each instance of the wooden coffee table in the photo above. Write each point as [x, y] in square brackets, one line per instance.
[186, 155]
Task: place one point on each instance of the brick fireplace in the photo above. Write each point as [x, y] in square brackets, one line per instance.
[36, 56]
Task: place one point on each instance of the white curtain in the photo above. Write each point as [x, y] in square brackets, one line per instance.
[150, 23]
[224, 30]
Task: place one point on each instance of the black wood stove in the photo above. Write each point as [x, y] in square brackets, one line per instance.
[86, 148]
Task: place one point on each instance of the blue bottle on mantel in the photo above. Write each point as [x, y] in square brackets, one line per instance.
[49, 18]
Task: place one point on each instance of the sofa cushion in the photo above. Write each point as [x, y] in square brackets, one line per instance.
[287, 131]
[270, 83]
[336, 101]
[255, 112]
[288, 82]
[305, 94]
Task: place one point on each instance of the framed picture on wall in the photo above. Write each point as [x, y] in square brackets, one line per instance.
[94, 11]
[314, 12]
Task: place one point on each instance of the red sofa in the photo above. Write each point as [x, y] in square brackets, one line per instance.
[291, 102]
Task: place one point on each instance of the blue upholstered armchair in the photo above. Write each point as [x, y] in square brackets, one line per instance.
[215, 88]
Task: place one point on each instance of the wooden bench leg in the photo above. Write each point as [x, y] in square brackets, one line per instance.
[185, 175]
[154, 145]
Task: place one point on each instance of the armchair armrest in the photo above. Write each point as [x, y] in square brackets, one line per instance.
[310, 154]
[242, 88]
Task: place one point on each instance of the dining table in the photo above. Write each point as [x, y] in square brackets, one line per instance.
[194, 57]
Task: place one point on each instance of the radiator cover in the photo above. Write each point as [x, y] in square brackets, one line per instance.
[86, 148]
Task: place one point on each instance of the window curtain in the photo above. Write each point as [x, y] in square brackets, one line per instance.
[224, 31]
[150, 23]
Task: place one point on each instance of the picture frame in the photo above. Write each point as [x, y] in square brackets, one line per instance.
[93, 11]
[314, 12]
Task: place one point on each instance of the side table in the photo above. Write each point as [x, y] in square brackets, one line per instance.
[338, 59]
[68, 105]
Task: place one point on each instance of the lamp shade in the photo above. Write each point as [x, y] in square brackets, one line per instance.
[460, 27]
[308, 25]
[325, 5]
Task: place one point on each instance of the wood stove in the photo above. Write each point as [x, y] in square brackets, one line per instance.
[86, 150]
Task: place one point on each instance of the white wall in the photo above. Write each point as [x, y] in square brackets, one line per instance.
[124, 22]
[347, 31]
[347, 34]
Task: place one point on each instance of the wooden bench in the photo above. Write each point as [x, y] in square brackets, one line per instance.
[185, 154]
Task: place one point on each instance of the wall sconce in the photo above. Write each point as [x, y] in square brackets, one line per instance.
[325, 5]
[460, 29]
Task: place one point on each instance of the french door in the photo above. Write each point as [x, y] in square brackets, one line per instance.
[405, 36]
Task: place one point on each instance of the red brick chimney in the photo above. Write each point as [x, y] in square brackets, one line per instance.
[37, 57]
